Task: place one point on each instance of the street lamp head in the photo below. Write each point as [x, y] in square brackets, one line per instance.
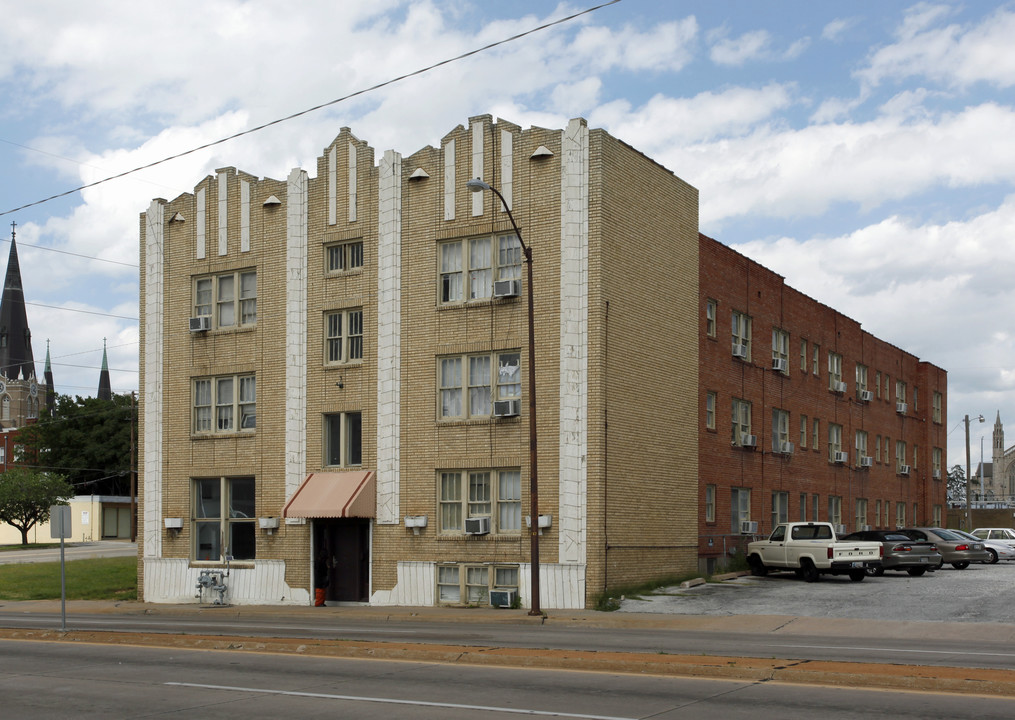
[981, 419]
[477, 185]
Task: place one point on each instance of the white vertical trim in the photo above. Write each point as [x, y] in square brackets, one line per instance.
[296, 331]
[223, 213]
[389, 334]
[449, 180]
[506, 170]
[352, 182]
[154, 270]
[477, 166]
[244, 216]
[202, 225]
[574, 223]
[332, 185]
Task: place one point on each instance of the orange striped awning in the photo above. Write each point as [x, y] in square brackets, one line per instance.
[334, 495]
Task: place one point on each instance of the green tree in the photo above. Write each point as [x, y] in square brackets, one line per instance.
[956, 490]
[26, 496]
[85, 439]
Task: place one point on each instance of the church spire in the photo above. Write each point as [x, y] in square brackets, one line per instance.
[50, 390]
[16, 359]
[105, 393]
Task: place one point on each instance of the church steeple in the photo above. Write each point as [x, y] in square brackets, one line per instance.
[16, 359]
[50, 391]
[105, 392]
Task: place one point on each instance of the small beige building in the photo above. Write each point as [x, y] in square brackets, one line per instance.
[93, 518]
[334, 374]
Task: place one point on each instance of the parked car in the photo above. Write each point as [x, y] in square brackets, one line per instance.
[901, 552]
[998, 549]
[955, 550]
[810, 549]
[1005, 535]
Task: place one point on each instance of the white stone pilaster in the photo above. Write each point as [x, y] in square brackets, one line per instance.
[152, 391]
[296, 330]
[223, 194]
[477, 166]
[449, 180]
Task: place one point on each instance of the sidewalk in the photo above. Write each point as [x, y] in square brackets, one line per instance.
[992, 682]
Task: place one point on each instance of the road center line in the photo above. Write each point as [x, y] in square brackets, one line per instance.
[896, 650]
[393, 701]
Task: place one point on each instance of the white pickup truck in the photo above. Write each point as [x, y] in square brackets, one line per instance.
[810, 549]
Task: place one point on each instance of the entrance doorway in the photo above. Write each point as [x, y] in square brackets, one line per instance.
[343, 544]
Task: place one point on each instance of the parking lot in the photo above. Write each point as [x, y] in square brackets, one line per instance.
[980, 593]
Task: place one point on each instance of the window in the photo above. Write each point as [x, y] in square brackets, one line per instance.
[741, 334]
[937, 516]
[343, 336]
[3, 454]
[937, 400]
[834, 440]
[900, 391]
[468, 268]
[496, 494]
[343, 439]
[877, 513]
[223, 511]
[887, 381]
[877, 384]
[780, 508]
[803, 432]
[815, 507]
[471, 584]
[936, 455]
[230, 298]
[835, 509]
[814, 434]
[877, 449]
[861, 513]
[741, 417]
[900, 514]
[343, 257]
[803, 355]
[900, 455]
[780, 430]
[469, 387]
[916, 398]
[225, 404]
[861, 446]
[710, 503]
[803, 507]
[814, 358]
[916, 454]
[861, 377]
[710, 398]
[780, 349]
[835, 371]
[740, 507]
[711, 307]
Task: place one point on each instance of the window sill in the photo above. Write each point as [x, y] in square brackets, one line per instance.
[478, 538]
[477, 303]
[450, 422]
[222, 565]
[343, 273]
[223, 435]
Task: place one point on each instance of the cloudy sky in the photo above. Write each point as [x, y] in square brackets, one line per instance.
[863, 150]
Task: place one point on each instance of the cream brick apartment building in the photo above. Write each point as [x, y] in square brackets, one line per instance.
[332, 374]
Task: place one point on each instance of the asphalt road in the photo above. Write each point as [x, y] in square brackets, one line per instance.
[71, 551]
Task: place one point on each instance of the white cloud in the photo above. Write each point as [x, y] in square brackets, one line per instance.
[834, 30]
[737, 51]
[952, 55]
[668, 46]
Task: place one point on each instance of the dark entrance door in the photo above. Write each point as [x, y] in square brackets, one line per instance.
[345, 542]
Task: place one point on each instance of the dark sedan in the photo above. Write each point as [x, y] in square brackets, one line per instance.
[901, 552]
[955, 550]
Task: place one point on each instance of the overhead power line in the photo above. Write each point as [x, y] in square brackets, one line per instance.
[301, 113]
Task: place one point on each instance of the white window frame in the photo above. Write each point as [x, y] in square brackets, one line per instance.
[834, 440]
[803, 432]
[938, 402]
[470, 584]
[479, 492]
[900, 454]
[343, 336]
[877, 514]
[834, 369]
[815, 434]
[740, 507]
[780, 428]
[740, 419]
[835, 509]
[937, 456]
[224, 404]
[740, 330]
[343, 257]
[468, 385]
[711, 313]
[780, 507]
[349, 441]
[229, 299]
[861, 377]
[815, 359]
[803, 355]
[861, 513]
[467, 268]
[214, 532]
[710, 401]
[710, 503]
[900, 514]
[780, 347]
[900, 391]
[861, 446]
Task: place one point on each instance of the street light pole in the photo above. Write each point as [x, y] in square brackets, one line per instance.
[478, 185]
[969, 513]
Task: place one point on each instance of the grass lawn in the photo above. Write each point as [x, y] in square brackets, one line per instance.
[94, 579]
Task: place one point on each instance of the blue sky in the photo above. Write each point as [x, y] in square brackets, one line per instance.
[863, 150]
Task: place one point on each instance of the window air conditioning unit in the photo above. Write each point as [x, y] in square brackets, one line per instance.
[477, 525]
[748, 441]
[937, 474]
[866, 396]
[748, 527]
[786, 447]
[903, 469]
[866, 461]
[838, 386]
[866, 528]
[503, 598]
[201, 323]
[507, 408]
[740, 350]
[840, 529]
[779, 364]
[901, 408]
[840, 456]
[507, 288]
